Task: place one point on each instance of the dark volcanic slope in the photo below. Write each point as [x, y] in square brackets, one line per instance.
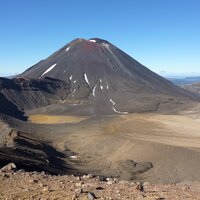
[18, 95]
[9, 108]
[105, 79]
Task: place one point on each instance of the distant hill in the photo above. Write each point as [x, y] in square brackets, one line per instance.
[191, 84]
[193, 87]
[185, 80]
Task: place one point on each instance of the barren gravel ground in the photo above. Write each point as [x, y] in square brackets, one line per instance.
[24, 186]
[170, 142]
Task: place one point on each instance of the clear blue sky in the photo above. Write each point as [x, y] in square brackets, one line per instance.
[164, 35]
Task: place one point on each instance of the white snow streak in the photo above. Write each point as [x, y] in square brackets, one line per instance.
[92, 40]
[75, 81]
[119, 111]
[67, 49]
[101, 85]
[86, 79]
[70, 78]
[48, 70]
[112, 102]
[115, 109]
[73, 157]
[107, 86]
[93, 91]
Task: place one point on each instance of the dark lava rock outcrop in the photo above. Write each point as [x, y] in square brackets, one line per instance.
[29, 153]
[19, 95]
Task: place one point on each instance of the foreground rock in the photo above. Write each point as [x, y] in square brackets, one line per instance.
[28, 153]
[34, 185]
[8, 168]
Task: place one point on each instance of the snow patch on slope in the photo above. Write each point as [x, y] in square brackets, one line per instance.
[112, 102]
[101, 86]
[92, 40]
[93, 91]
[67, 49]
[73, 157]
[119, 111]
[116, 111]
[48, 70]
[86, 79]
[70, 78]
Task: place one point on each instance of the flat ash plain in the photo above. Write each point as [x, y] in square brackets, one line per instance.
[106, 145]
[161, 151]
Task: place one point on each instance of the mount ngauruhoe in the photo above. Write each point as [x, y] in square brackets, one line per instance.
[84, 110]
[102, 79]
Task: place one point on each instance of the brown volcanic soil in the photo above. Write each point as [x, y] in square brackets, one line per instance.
[56, 119]
[105, 145]
[24, 185]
